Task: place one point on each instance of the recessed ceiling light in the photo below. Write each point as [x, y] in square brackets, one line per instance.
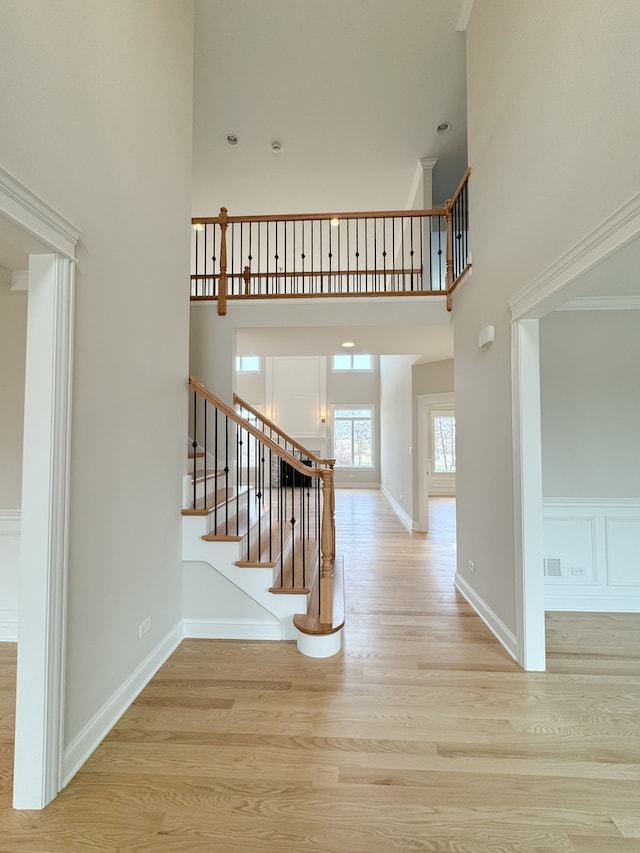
[348, 344]
[335, 222]
[276, 146]
[443, 127]
[232, 139]
[198, 226]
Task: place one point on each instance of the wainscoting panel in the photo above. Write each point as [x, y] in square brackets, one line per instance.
[591, 554]
[9, 565]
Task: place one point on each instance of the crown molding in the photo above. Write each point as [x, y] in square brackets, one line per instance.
[33, 214]
[617, 230]
[428, 162]
[602, 303]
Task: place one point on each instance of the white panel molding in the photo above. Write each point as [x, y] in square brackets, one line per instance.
[402, 514]
[10, 523]
[105, 719]
[232, 629]
[602, 303]
[33, 214]
[603, 591]
[493, 622]
[617, 230]
[9, 625]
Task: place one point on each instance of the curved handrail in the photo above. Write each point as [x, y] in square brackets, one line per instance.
[280, 451]
[265, 420]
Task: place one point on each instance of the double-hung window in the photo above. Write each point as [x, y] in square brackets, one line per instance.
[353, 436]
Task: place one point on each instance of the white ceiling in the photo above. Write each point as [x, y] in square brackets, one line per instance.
[353, 89]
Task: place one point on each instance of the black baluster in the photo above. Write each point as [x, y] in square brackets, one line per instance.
[194, 444]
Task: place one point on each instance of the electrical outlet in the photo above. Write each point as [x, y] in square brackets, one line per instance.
[472, 566]
[145, 626]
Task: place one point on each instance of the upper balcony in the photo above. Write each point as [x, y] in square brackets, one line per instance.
[384, 253]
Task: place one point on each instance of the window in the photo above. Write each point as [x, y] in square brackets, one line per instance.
[353, 437]
[352, 361]
[444, 442]
[248, 364]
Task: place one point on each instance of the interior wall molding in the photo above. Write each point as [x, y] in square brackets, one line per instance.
[10, 522]
[602, 303]
[25, 209]
[536, 298]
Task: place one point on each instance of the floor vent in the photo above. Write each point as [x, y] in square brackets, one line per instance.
[552, 567]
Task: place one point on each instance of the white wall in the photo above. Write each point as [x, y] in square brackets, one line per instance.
[590, 400]
[396, 407]
[546, 85]
[13, 330]
[96, 107]
[13, 339]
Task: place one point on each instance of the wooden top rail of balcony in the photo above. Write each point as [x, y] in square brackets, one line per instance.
[373, 253]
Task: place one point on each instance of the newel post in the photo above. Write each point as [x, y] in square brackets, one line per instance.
[222, 281]
[327, 546]
[449, 278]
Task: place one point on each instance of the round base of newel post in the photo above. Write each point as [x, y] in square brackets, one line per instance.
[319, 645]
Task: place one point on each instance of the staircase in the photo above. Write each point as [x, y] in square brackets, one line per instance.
[258, 531]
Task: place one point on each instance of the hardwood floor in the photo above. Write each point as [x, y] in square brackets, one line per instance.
[422, 734]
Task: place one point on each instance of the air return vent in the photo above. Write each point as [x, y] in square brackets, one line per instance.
[552, 567]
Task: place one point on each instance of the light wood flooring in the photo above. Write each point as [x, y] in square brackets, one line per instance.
[422, 734]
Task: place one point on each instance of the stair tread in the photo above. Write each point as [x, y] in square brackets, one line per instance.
[291, 577]
[242, 518]
[265, 552]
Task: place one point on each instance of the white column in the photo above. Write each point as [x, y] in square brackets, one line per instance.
[44, 542]
[428, 165]
[527, 503]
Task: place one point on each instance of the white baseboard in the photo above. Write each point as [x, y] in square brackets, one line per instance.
[8, 626]
[105, 719]
[402, 514]
[493, 622]
[231, 629]
[574, 602]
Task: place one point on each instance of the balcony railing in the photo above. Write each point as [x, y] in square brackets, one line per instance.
[422, 252]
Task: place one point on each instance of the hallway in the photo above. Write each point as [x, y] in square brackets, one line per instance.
[422, 734]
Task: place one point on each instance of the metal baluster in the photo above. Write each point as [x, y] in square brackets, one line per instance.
[206, 406]
[194, 444]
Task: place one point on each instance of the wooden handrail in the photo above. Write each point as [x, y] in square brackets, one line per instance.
[325, 475]
[256, 433]
[451, 201]
[238, 401]
[300, 217]
[307, 273]
[239, 245]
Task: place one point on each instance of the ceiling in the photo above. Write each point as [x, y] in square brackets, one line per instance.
[352, 89]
